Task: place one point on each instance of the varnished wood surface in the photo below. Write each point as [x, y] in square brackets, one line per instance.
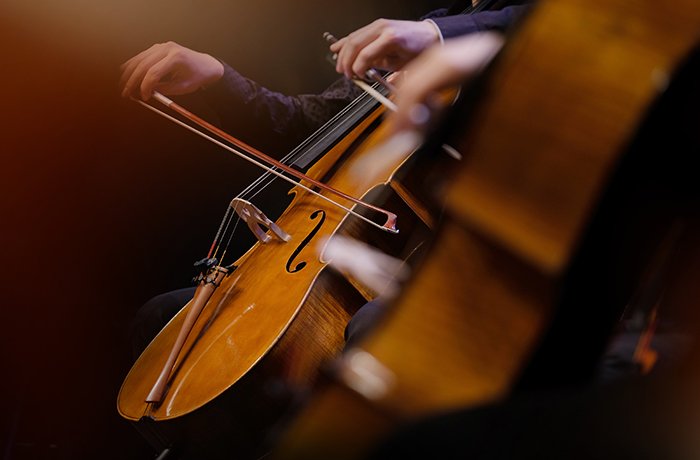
[561, 105]
[575, 91]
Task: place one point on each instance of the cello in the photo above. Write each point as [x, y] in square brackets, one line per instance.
[251, 311]
[530, 262]
[272, 315]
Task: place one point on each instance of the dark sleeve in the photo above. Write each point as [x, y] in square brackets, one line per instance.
[462, 24]
[436, 14]
[269, 120]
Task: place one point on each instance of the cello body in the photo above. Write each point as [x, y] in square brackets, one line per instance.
[259, 341]
[527, 264]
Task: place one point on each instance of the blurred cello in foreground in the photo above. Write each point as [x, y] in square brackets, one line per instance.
[543, 238]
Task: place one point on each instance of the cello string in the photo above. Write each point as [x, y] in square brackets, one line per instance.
[228, 217]
[374, 95]
[219, 231]
[323, 133]
[228, 243]
[317, 139]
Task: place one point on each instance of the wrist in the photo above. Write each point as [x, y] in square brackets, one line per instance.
[436, 29]
[213, 73]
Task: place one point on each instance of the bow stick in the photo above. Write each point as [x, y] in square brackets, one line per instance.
[389, 225]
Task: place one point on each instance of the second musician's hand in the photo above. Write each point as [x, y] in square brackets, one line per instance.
[417, 97]
[383, 44]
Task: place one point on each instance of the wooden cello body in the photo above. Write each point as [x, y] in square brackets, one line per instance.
[527, 264]
[261, 337]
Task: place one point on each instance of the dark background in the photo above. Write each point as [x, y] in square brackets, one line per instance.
[103, 204]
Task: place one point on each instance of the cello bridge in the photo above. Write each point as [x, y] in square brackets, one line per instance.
[258, 222]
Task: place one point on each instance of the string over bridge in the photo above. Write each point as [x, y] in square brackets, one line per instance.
[256, 220]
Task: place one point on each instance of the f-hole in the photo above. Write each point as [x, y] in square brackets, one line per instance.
[304, 243]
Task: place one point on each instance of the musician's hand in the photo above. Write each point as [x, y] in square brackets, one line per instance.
[170, 69]
[384, 44]
[441, 67]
